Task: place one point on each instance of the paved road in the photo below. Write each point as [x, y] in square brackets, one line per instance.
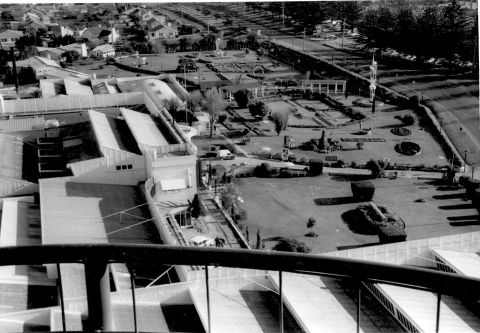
[453, 95]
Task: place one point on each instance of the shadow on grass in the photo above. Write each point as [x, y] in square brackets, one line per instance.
[335, 201]
[350, 178]
[465, 217]
[392, 126]
[350, 247]
[459, 206]
[465, 223]
[449, 196]
[356, 224]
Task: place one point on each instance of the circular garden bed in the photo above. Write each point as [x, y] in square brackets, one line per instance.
[408, 148]
[401, 131]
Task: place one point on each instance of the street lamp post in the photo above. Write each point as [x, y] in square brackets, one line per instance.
[473, 169]
[465, 156]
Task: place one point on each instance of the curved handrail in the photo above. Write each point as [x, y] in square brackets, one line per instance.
[445, 283]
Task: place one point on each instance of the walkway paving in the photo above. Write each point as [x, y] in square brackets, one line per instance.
[323, 305]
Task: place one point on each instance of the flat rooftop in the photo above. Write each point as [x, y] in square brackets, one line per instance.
[11, 151]
[90, 213]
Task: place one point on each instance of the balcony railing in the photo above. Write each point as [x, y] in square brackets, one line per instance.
[97, 257]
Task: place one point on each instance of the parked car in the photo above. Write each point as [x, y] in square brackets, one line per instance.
[201, 241]
[225, 154]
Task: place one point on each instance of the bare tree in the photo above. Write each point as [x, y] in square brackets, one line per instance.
[214, 104]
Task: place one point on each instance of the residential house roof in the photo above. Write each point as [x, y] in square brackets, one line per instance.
[71, 47]
[11, 33]
[160, 27]
[35, 62]
[104, 48]
[50, 49]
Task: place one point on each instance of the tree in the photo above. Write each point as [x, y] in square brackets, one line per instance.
[280, 119]
[405, 31]
[6, 16]
[194, 100]
[311, 222]
[173, 106]
[214, 103]
[195, 207]
[241, 97]
[453, 26]
[258, 109]
[352, 13]
[259, 239]
[71, 56]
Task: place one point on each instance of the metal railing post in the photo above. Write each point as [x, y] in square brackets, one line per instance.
[100, 317]
[359, 305]
[280, 292]
[437, 322]
[134, 302]
[207, 285]
[62, 304]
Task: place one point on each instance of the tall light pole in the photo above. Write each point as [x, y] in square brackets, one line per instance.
[373, 81]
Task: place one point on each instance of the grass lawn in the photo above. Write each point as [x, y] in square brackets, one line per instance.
[382, 122]
[281, 207]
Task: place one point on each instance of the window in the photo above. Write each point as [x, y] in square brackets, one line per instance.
[129, 166]
[124, 167]
[118, 167]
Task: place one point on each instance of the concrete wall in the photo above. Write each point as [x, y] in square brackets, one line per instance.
[107, 174]
[414, 252]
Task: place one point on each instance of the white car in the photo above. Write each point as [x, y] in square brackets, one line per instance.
[202, 241]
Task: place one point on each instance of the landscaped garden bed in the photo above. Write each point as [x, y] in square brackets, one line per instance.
[408, 148]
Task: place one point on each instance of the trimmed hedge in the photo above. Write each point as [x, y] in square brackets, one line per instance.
[363, 190]
[391, 234]
[470, 186]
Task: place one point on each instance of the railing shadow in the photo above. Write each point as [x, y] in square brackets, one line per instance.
[459, 206]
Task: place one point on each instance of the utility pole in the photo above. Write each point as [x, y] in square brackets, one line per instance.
[343, 30]
[283, 15]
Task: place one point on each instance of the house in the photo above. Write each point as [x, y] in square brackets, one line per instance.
[78, 9]
[33, 24]
[97, 35]
[155, 21]
[162, 32]
[103, 51]
[8, 38]
[62, 31]
[49, 53]
[81, 49]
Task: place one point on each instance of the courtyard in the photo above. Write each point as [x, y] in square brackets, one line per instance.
[286, 204]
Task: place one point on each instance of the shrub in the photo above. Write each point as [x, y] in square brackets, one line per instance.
[414, 101]
[391, 233]
[470, 186]
[353, 164]
[316, 166]
[363, 190]
[241, 97]
[408, 119]
[258, 109]
[340, 164]
[311, 234]
[311, 222]
[303, 160]
[263, 170]
[375, 168]
[291, 245]
[280, 119]
[221, 118]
